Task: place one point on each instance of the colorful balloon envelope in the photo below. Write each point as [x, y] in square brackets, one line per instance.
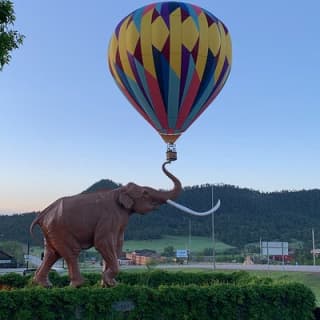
[170, 59]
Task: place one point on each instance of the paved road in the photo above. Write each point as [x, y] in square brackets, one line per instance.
[209, 266]
[234, 266]
[238, 266]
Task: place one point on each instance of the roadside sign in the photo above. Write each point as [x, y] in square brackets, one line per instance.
[274, 248]
[182, 253]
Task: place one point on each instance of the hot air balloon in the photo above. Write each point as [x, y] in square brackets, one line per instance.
[170, 59]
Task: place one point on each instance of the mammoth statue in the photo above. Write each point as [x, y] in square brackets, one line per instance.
[97, 219]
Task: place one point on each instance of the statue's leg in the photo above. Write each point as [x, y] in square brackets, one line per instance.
[76, 280]
[41, 275]
[69, 249]
[107, 249]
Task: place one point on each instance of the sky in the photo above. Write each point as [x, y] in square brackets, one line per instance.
[64, 124]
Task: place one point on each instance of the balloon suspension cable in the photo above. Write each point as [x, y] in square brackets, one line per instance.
[171, 152]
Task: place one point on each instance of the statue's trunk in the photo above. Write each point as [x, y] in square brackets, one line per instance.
[163, 196]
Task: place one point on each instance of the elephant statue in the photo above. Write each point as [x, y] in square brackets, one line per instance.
[98, 219]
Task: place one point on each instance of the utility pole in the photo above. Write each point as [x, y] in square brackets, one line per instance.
[189, 235]
[313, 247]
[28, 253]
[260, 256]
[213, 236]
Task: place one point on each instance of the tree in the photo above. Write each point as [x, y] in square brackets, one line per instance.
[15, 249]
[169, 251]
[9, 39]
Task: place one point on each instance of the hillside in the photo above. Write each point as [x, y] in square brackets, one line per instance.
[245, 216]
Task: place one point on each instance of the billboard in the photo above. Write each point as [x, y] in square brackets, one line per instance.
[274, 248]
[182, 253]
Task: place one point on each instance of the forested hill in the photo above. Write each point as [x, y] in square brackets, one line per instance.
[244, 216]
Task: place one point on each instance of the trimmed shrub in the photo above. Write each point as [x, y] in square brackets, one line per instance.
[13, 280]
[153, 278]
[156, 278]
[218, 301]
[158, 295]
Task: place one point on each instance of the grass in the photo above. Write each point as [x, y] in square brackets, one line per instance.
[311, 280]
[198, 244]
[178, 242]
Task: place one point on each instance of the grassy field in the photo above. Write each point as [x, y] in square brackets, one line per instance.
[311, 280]
[197, 244]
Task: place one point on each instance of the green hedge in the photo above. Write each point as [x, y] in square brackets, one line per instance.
[152, 279]
[13, 280]
[218, 301]
[157, 278]
[158, 295]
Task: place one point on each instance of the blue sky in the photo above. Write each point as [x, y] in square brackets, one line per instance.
[65, 125]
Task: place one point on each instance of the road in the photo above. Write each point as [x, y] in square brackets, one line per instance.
[209, 266]
[238, 266]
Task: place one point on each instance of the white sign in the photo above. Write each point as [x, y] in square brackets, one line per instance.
[315, 251]
[273, 248]
[182, 253]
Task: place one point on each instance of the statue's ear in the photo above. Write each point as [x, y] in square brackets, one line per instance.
[125, 200]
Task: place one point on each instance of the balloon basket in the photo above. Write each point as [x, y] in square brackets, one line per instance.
[171, 152]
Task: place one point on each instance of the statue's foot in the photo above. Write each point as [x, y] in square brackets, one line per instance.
[43, 282]
[76, 283]
[108, 283]
[108, 278]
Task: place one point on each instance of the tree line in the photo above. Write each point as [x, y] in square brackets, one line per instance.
[245, 216]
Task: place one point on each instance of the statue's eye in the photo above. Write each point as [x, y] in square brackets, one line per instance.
[145, 193]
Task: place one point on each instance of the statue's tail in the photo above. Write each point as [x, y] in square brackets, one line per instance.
[40, 215]
[34, 222]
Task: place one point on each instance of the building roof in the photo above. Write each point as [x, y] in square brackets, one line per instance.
[146, 253]
[4, 256]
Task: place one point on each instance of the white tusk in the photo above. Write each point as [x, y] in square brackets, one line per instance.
[185, 209]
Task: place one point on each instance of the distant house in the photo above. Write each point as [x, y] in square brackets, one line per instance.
[7, 261]
[143, 257]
